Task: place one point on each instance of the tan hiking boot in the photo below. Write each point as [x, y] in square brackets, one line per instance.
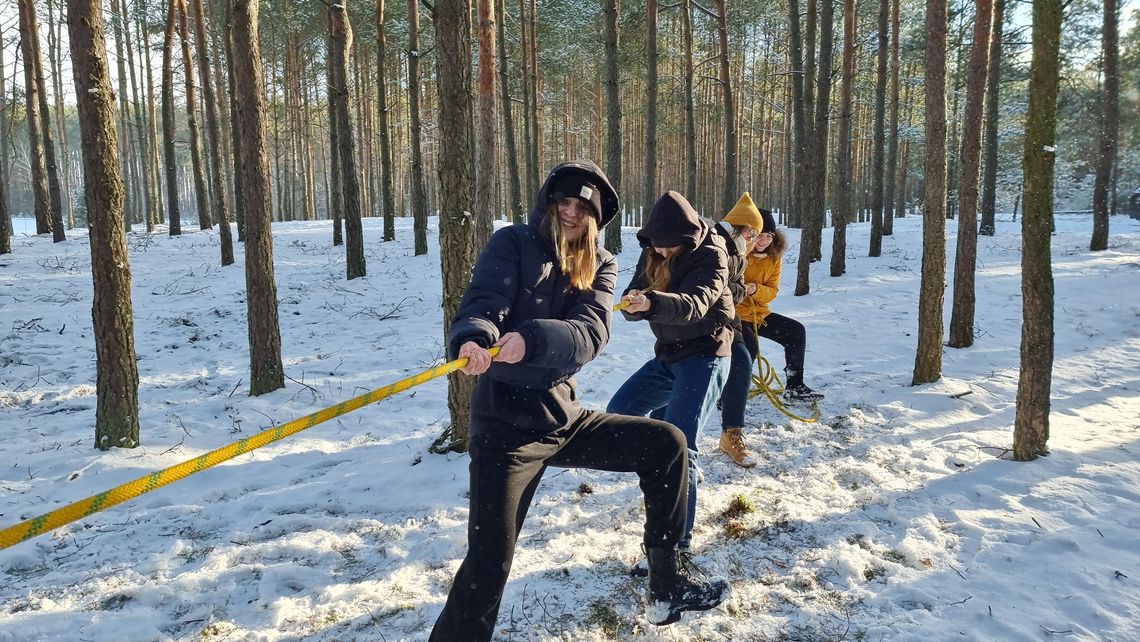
[732, 443]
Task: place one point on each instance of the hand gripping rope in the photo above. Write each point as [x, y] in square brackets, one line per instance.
[766, 381]
[30, 528]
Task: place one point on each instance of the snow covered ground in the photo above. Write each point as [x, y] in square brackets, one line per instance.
[898, 516]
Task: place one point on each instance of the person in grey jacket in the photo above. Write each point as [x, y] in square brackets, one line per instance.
[543, 292]
[681, 288]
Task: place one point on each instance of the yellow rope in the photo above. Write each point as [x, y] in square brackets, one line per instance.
[766, 381]
[30, 528]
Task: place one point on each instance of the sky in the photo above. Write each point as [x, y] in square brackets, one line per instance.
[899, 515]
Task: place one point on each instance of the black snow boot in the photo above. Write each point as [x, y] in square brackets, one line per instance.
[800, 392]
[672, 591]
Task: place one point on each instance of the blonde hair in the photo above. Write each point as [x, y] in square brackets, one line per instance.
[578, 259]
[658, 271]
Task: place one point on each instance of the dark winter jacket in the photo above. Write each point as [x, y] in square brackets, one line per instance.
[518, 286]
[736, 261]
[694, 315]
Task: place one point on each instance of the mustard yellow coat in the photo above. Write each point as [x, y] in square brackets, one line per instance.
[765, 273]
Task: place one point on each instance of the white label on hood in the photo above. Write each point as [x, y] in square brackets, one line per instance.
[586, 193]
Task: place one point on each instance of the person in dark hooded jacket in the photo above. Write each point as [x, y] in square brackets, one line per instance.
[543, 293]
[681, 287]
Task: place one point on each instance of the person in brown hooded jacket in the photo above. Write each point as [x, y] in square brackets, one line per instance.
[681, 288]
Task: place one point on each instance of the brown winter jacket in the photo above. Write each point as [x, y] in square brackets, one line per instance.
[693, 315]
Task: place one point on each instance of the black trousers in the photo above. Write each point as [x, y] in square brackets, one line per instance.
[506, 467]
[786, 332]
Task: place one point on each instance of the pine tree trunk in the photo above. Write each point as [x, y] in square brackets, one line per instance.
[535, 124]
[174, 213]
[515, 206]
[51, 168]
[799, 116]
[419, 191]
[962, 315]
[139, 138]
[815, 167]
[55, 58]
[387, 198]
[879, 134]
[613, 118]
[993, 82]
[152, 173]
[213, 129]
[891, 170]
[39, 183]
[528, 135]
[456, 232]
[5, 212]
[928, 356]
[266, 370]
[649, 195]
[236, 126]
[487, 147]
[731, 132]
[690, 131]
[1109, 132]
[131, 205]
[201, 195]
[117, 376]
[843, 194]
[1031, 421]
[340, 47]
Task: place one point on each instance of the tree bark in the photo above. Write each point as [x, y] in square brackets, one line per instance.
[815, 164]
[799, 114]
[5, 212]
[528, 135]
[965, 259]
[515, 206]
[213, 129]
[690, 133]
[117, 376]
[201, 195]
[612, 9]
[235, 124]
[340, 44]
[456, 231]
[173, 211]
[731, 162]
[1031, 421]
[879, 135]
[893, 140]
[266, 370]
[1110, 117]
[993, 82]
[55, 201]
[487, 148]
[55, 58]
[928, 356]
[843, 194]
[387, 196]
[649, 195]
[419, 191]
[39, 181]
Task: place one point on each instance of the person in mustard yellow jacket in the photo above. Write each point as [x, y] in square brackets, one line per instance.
[761, 283]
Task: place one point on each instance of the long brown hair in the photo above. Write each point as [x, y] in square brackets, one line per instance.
[578, 259]
[658, 270]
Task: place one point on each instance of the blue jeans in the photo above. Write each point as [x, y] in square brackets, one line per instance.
[735, 395]
[687, 391]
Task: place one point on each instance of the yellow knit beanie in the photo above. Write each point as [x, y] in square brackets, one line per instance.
[746, 214]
